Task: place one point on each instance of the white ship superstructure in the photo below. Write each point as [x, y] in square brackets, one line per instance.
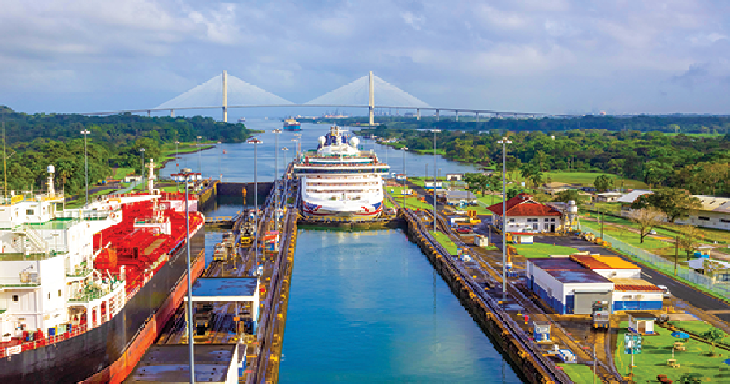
[339, 180]
[46, 273]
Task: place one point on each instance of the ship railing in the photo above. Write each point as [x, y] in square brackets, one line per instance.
[28, 345]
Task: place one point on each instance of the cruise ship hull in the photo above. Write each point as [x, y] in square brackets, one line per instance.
[342, 210]
[110, 351]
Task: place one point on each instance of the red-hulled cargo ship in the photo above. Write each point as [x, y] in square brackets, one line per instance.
[146, 249]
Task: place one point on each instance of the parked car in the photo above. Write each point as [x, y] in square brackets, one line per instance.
[464, 230]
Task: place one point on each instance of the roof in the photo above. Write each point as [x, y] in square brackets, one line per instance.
[456, 194]
[714, 203]
[523, 205]
[623, 284]
[168, 363]
[556, 263]
[585, 276]
[603, 262]
[643, 316]
[225, 286]
[632, 196]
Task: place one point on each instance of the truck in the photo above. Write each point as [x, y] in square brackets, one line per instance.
[600, 314]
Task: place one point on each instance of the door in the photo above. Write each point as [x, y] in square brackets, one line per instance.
[641, 327]
[552, 228]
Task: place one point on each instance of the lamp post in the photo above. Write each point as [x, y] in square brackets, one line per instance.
[299, 143]
[285, 158]
[435, 131]
[177, 166]
[404, 177]
[186, 174]
[86, 166]
[504, 143]
[142, 150]
[276, 178]
[255, 141]
[220, 156]
[197, 145]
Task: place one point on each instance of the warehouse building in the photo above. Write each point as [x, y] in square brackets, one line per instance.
[571, 285]
[566, 286]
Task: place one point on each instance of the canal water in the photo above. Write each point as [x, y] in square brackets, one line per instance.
[367, 306]
[237, 163]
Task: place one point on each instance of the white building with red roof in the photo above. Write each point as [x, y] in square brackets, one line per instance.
[527, 215]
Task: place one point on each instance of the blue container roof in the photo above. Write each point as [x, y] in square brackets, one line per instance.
[225, 286]
[584, 276]
[557, 263]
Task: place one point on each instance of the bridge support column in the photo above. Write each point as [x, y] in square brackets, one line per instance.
[149, 113]
[477, 116]
[437, 115]
[456, 113]
[418, 114]
[172, 113]
[371, 103]
[224, 76]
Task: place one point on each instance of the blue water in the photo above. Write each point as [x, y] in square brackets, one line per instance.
[367, 307]
[238, 162]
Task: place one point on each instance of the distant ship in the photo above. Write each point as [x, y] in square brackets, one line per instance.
[242, 120]
[292, 125]
[340, 180]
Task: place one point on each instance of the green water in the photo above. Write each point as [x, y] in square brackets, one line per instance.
[367, 307]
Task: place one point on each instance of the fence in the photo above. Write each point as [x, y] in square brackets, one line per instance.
[664, 265]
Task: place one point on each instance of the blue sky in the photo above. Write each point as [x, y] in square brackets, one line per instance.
[554, 56]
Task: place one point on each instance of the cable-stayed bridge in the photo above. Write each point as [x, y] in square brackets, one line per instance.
[225, 92]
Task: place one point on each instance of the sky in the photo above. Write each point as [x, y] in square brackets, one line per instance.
[547, 56]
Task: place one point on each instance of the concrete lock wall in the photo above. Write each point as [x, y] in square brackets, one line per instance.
[233, 192]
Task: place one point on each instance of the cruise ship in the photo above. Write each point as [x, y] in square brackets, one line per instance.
[84, 292]
[339, 180]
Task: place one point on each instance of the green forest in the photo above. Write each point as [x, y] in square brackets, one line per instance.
[34, 141]
[698, 163]
[694, 124]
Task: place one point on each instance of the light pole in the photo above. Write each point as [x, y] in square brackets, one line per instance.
[504, 143]
[276, 179]
[86, 166]
[299, 142]
[220, 156]
[186, 174]
[200, 167]
[177, 166]
[142, 150]
[435, 131]
[255, 141]
[285, 149]
[402, 192]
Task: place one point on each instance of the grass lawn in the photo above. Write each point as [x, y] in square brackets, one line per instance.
[696, 327]
[445, 241]
[411, 202]
[587, 178]
[120, 172]
[439, 151]
[542, 250]
[579, 373]
[657, 349]
[650, 244]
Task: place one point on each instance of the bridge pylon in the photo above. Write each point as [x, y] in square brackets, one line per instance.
[225, 96]
[371, 104]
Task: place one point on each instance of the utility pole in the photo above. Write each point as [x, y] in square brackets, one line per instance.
[435, 131]
[86, 166]
[276, 179]
[676, 253]
[504, 143]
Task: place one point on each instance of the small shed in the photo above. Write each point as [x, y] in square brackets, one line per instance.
[481, 240]
[541, 331]
[641, 323]
[454, 176]
[522, 237]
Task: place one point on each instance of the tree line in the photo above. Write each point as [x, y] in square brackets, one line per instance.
[34, 141]
[700, 164]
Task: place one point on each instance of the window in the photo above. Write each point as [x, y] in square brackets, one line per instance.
[15, 298]
[28, 212]
[703, 218]
[546, 219]
[59, 293]
[511, 219]
[725, 220]
[552, 219]
[49, 296]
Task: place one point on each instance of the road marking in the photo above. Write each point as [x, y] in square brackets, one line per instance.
[646, 275]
